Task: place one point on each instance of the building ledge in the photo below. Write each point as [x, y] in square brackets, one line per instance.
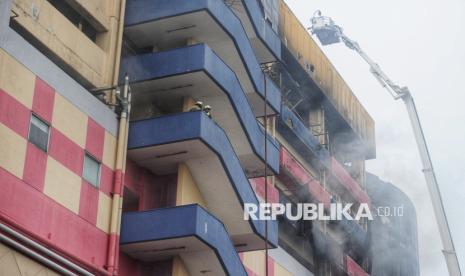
[188, 231]
[207, 78]
[169, 24]
[160, 144]
[265, 40]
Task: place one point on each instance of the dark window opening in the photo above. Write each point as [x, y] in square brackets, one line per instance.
[39, 133]
[131, 200]
[74, 17]
[129, 48]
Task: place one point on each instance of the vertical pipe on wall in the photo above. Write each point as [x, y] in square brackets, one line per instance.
[120, 162]
[117, 50]
[116, 204]
[265, 124]
[120, 205]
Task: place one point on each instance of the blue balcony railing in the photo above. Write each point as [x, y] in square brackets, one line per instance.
[300, 137]
[146, 68]
[147, 234]
[154, 143]
[356, 235]
[143, 12]
[262, 28]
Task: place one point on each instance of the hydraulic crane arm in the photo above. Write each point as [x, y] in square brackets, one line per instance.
[328, 33]
[395, 90]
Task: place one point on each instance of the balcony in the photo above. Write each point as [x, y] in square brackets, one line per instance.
[346, 180]
[168, 24]
[301, 139]
[197, 72]
[356, 236]
[189, 231]
[294, 175]
[258, 184]
[265, 41]
[353, 269]
[160, 144]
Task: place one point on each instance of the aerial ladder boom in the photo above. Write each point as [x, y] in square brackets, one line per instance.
[328, 33]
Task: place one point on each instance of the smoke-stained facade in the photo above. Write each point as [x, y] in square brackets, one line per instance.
[133, 132]
[394, 239]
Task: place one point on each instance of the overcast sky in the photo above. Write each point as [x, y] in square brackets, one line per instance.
[421, 44]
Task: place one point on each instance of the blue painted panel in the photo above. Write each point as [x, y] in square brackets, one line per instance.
[196, 125]
[142, 11]
[178, 222]
[201, 58]
[262, 28]
[356, 235]
[300, 137]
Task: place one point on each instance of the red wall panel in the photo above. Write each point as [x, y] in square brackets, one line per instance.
[258, 184]
[95, 139]
[43, 100]
[88, 204]
[353, 269]
[106, 180]
[34, 167]
[341, 174]
[49, 221]
[66, 151]
[14, 114]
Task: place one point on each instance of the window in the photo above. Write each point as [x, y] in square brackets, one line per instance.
[74, 17]
[39, 133]
[91, 171]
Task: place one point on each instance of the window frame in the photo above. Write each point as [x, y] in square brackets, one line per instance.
[99, 174]
[34, 115]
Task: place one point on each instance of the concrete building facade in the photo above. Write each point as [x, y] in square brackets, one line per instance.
[394, 245]
[109, 165]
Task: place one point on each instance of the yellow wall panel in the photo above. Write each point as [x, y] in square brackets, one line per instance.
[281, 271]
[3, 250]
[103, 213]
[71, 121]
[12, 151]
[14, 263]
[62, 185]
[109, 150]
[16, 80]
[26, 265]
[255, 261]
[179, 269]
[187, 190]
[8, 265]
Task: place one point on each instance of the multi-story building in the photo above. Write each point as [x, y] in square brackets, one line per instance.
[58, 141]
[110, 165]
[394, 239]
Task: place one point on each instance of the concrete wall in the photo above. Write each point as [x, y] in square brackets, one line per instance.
[44, 192]
[13, 263]
[187, 190]
[90, 62]
[280, 263]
